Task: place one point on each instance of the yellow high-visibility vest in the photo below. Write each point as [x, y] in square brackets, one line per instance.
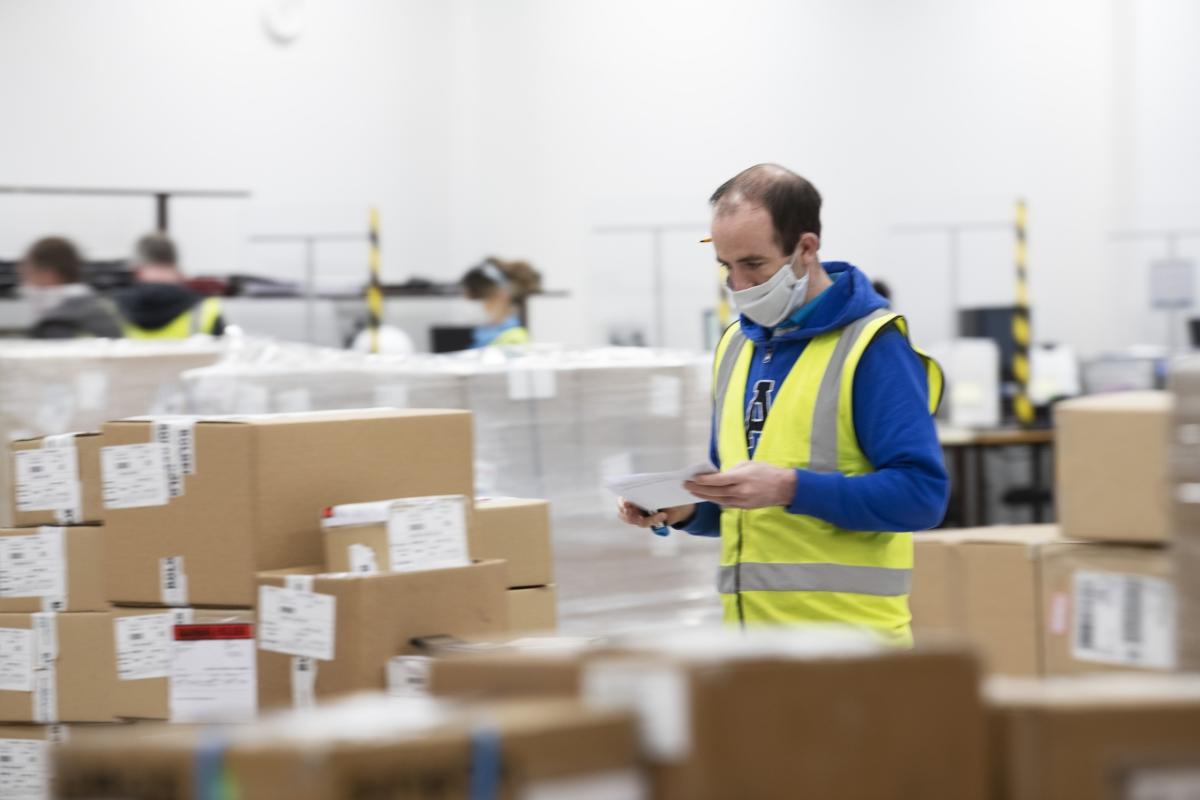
[517, 335]
[779, 567]
[201, 318]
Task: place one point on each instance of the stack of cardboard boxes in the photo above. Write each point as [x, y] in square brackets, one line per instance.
[1092, 593]
[1185, 386]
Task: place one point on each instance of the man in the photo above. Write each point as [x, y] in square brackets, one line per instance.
[160, 305]
[51, 277]
[822, 426]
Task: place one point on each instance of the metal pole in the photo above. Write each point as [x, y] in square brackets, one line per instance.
[310, 288]
[375, 287]
[1021, 332]
[160, 211]
[954, 299]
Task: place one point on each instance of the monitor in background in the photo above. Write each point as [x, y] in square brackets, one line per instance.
[451, 338]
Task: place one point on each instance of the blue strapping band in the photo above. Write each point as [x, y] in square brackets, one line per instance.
[485, 764]
[208, 764]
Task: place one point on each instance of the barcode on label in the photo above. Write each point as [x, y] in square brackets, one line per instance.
[1124, 619]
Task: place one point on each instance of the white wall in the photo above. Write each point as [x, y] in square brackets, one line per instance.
[516, 127]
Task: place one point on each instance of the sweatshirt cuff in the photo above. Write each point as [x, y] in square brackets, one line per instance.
[816, 493]
[706, 521]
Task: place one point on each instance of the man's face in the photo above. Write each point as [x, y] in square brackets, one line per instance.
[744, 239]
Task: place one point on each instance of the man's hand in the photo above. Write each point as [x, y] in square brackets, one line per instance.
[632, 515]
[751, 484]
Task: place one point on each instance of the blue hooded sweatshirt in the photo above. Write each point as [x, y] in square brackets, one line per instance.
[909, 489]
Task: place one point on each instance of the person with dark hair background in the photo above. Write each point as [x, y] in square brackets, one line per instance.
[822, 429]
[502, 287]
[67, 308]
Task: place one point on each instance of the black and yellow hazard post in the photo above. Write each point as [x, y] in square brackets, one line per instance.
[1022, 406]
[375, 287]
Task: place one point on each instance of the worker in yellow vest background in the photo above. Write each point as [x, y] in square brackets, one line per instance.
[502, 289]
[822, 427]
[160, 305]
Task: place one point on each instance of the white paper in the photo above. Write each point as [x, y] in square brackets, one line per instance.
[92, 390]
[173, 581]
[659, 696]
[33, 565]
[24, 769]
[362, 558]
[624, 784]
[16, 660]
[135, 475]
[304, 682]
[1124, 619]
[57, 407]
[666, 396]
[428, 533]
[531, 383]
[1163, 783]
[293, 401]
[393, 395]
[408, 676]
[213, 680]
[47, 479]
[252, 399]
[652, 491]
[144, 643]
[296, 623]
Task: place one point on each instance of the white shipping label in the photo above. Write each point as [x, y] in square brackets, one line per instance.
[16, 660]
[47, 479]
[179, 439]
[33, 565]
[301, 583]
[1123, 619]
[45, 639]
[362, 558]
[408, 676]
[531, 383]
[296, 623]
[666, 396]
[173, 581]
[428, 533]
[45, 695]
[143, 646]
[24, 769]
[659, 696]
[134, 475]
[304, 682]
[213, 673]
[1165, 783]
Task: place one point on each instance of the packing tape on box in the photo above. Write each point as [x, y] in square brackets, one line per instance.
[303, 668]
[173, 581]
[45, 667]
[177, 435]
[35, 565]
[47, 479]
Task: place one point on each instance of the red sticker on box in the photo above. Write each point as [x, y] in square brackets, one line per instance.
[225, 630]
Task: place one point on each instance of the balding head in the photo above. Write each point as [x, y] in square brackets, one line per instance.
[793, 203]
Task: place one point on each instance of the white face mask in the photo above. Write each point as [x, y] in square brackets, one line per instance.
[769, 303]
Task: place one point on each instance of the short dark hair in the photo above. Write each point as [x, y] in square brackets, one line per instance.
[156, 248]
[58, 255]
[793, 203]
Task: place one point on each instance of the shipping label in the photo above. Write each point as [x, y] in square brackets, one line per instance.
[16, 660]
[173, 581]
[1124, 619]
[47, 479]
[408, 676]
[24, 769]
[428, 533]
[213, 673]
[135, 475]
[297, 623]
[304, 682]
[33, 565]
[144, 643]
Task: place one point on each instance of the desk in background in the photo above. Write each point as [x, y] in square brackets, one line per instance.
[965, 456]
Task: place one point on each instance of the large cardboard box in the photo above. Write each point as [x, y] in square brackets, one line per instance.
[985, 584]
[145, 641]
[1113, 466]
[534, 608]
[56, 480]
[372, 747]
[518, 532]
[349, 625]
[52, 569]
[249, 493]
[1107, 607]
[57, 668]
[794, 714]
[1100, 737]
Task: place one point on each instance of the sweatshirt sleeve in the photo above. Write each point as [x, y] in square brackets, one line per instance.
[910, 488]
[707, 519]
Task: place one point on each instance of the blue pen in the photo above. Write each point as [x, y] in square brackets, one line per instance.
[659, 530]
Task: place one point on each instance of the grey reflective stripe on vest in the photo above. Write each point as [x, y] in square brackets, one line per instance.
[823, 457]
[756, 577]
[737, 339]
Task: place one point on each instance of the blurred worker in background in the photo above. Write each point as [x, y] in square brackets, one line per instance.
[502, 287]
[67, 308]
[822, 428]
[160, 305]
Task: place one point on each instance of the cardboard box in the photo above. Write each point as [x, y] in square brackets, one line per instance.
[56, 480]
[518, 532]
[1100, 737]
[362, 620]
[60, 569]
[254, 496]
[25, 760]
[1113, 466]
[1107, 607]
[144, 638]
[76, 686]
[533, 609]
[985, 584]
[374, 747]
[397, 535]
